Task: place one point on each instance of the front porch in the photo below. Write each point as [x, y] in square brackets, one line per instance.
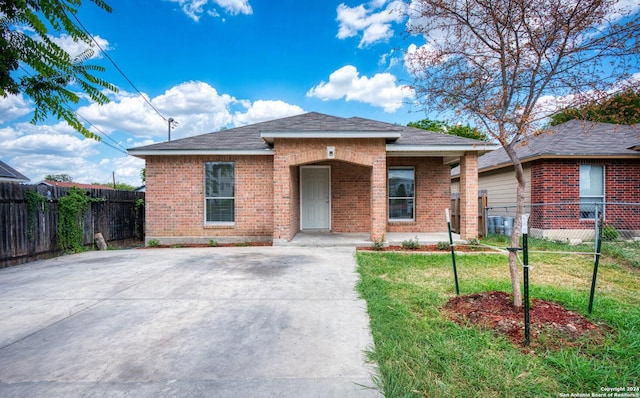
[330, 239]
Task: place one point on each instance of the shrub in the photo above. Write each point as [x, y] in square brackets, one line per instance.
[442, 245]
[153, 243]
[609, 233]
[213, 243]
[411, 244]
[474, 242]
[378, 244]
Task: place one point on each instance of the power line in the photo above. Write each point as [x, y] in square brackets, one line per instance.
[120, 149]
[118, 68]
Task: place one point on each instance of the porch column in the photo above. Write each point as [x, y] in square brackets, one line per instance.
[281, 200]
[469, 196]
[379, 197]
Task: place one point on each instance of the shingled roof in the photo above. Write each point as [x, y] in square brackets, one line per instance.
[252, 139]
[572, 139]
[9, 174]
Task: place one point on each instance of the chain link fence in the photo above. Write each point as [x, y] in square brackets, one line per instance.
[572, 223]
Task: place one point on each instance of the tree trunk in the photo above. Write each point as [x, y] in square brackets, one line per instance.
[517, 226]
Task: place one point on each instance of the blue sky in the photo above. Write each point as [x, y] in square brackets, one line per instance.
[211, 64]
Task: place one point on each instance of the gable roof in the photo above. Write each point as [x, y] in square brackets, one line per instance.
[256, 139]
[9, 174]
[572, 139]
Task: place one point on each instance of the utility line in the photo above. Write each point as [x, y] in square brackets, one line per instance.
[118, 68]
[119, 147]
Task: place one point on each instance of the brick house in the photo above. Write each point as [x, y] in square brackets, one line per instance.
[311, 172]
[568, 168]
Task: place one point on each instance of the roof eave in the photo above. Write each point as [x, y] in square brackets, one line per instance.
[439, 150]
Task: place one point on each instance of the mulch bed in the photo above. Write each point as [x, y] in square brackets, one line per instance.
[428, 248]
[556, 325]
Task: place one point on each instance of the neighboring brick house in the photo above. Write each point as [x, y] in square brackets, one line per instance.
[270, 180]
[569, 167]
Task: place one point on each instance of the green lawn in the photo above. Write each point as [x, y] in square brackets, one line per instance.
[420, 353]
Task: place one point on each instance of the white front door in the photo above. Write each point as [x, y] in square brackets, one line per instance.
[315, 197]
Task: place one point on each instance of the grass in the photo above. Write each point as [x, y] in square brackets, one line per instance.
[420, 353]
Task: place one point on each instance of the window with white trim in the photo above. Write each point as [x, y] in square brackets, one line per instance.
[219, 192]
[591, 190]
[401, 185]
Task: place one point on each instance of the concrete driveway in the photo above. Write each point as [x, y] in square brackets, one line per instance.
[210, 322]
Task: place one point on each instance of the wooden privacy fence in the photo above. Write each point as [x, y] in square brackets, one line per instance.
[455, 212]
[27, 235]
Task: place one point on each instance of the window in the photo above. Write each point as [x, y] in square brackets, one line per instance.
[219, 192]
[401, 194]
[591, 190]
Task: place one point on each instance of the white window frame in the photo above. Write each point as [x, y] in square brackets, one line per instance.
[601, 197]
[204, 184]
[400, 220]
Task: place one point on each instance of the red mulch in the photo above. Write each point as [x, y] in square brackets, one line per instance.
[427, 248]
[556, 325]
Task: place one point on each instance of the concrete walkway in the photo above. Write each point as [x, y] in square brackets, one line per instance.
[330, 239]
[214, 322]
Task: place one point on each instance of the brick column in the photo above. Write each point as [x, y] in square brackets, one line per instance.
[469, 195]
[281, 199]
[379, 197]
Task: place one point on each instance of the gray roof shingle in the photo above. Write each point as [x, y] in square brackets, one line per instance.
[574, 138]
[248, 137]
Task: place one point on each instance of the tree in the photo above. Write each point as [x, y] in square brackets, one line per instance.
[499, 61]
[120, 186]
[622, 108]
[442, 127]
[58, 177]
[31, 63]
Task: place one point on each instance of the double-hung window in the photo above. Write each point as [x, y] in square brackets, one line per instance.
[219, 192]
[591, 190]
[401, 184]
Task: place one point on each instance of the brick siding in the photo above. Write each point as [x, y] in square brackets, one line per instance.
[558, 181]
[175, 197]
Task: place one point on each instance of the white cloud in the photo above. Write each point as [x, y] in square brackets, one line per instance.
[58, 139]
[76, 47]
[235, 7]
[194, 9]
[13, 107]
[373, 23]
[262, 110]
[380, 90]
[37, 166]
[196, 106]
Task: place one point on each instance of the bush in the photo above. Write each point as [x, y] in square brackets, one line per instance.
[442, 245]
[213, 243]
[411, 244]
[609, 233]
[378, 244]
[153, 243]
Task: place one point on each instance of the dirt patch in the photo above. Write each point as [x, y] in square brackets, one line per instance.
[428, 248]
[551, 325]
